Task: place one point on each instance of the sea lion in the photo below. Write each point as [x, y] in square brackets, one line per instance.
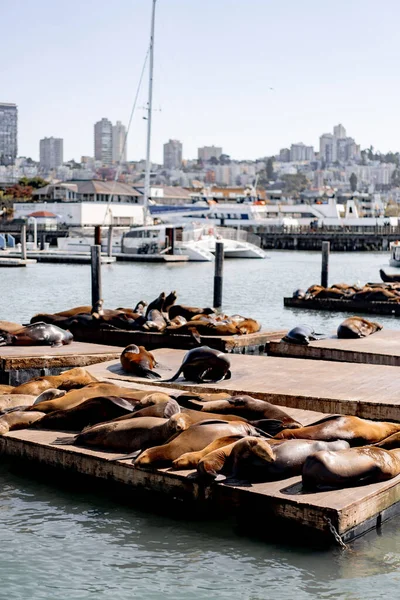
[357, 327]
[157, 304]
[77, 310]
[190, 460]
[356, 431]
[269, 417]
[18, 420]
[389, 277]
[68, 380]
[50, 394]
[169, 302]
[9, 327]
[303, 334]
[140, 306]
[90, 412]
[6, 389]
[132, 434]
[195, 438]
[355, 466]
[188, 311]
[138, 361]
[40, 334]
[155, 321]
[203, 364]
[164, 410]
[8, 401]
[300, 294]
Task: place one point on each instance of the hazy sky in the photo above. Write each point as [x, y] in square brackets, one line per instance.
[68, 64]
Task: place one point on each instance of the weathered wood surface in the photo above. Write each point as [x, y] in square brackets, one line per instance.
[253, 343]
[350, 306]
[380, 348]
[369, 391]
[351, 510]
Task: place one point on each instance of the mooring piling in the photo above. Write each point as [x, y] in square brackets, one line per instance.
[218, 274]
[325, 263]
[95, 254]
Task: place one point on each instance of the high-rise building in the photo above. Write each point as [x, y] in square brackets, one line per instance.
[8, 133]
[51, 153]
[173, 154]
[328, 148]
[208, 152]
[301, 152]
[339, 131]
[103, 146]
[284, 155]
[118, 143]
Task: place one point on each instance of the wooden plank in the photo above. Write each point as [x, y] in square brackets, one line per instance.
[369, 391]
[349, 510]
[350, 306]
[380, 348]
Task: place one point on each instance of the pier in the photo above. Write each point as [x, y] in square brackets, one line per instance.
[350, 306]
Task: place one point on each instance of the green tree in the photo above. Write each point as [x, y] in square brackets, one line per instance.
[270, 168]
[34, 182]
[353, 182]
[294, 184]
[396, 178]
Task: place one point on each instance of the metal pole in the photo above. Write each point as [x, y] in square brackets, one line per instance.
[218, 274]
[325, 263]
[95, 253]
[23, 241]
[149, 113]
[110, 240]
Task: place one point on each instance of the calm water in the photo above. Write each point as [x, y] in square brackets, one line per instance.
[59, 543]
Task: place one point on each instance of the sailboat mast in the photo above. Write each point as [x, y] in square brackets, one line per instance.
[149, 114]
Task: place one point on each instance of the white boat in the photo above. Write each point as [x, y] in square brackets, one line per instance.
[394, 254]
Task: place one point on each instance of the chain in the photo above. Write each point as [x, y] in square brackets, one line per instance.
[335, 534]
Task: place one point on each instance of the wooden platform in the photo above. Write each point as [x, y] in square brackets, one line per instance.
[20, 363]
[152, 258]
[253, 343]
[380, 348]
[350, 306]
[60, 256]
[369, 391]
[351, 511]
[15, 262]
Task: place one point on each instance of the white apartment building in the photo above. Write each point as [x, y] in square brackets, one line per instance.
[207, 152]
[103, 146]
[51, 151]
[119, 143]
[173, 154]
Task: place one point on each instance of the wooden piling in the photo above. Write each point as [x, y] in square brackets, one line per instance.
[97, 235]
[23, 241]
[218, 274]
[109, 240]
[95, 253]
[325, 263]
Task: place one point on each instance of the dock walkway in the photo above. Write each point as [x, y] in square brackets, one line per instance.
[351, 306]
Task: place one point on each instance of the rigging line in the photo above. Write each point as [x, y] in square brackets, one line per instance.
[117, 173]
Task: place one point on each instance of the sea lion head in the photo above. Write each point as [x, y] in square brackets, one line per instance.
[259, 448]
[151, 399]
[179, 422]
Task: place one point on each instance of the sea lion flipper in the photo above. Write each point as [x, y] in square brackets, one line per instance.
[228, 374]
[270, 426]
[174, 378]
[64, 441]
[127, 456]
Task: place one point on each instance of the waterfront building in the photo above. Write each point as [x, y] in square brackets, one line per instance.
[51, 153]
[173, 154]
[8, 133]
[208, 152]
[119, 143]
[103, 146]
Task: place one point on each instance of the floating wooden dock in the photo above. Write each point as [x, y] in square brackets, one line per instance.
[368, 391]
[350, 306]
[20, 363]
[352, 512]
[152, 258]
[380, 348]
[58, 256]
[252, 343]
[15, 262]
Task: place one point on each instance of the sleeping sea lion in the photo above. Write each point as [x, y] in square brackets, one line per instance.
[68, 380]
[356, 431]
[355, 466]
[188, 311]
[18, 420]
[190, 460]
[357, 327]
[39, 334]
[9, 327]
[303, 334]
[164, 410]
[6, 389]
[389, 277]
[133, 434]
[204, 364]
[155, 321]
[8, 401]
[195, 438]
[138, 361]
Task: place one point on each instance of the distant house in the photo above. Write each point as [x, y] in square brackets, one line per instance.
[45, 219]
[89, 191]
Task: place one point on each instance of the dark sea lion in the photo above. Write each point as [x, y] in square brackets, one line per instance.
[355, 466]
[188, 311]
[49, 394]
[303, 334]
[357, 327]
[254, 410]
[132, 434]
[157, 304]
[18, 420]
[195, 438]
[356, 431]
[90, 412]
[155, 321]
[169, 302]
[40, 334]
[204, 364]
[140, 306]
[389, 277]
[68, 380]
[163, 410]
[190, 460]
[138, 361]
[300, 294]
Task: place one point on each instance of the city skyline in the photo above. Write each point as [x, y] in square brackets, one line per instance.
[251, 98]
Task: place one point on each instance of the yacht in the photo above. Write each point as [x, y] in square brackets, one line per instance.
[394, 254]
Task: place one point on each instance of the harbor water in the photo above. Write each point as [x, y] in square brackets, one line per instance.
[67, 543]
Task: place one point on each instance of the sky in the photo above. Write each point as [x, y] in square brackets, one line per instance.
[252, 76]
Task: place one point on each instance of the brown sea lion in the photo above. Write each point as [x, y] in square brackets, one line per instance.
[68, 380]
[188, 311]
[12, 400]
[267, 416]
[6, 389]
[9, 327]
[91, 411]
[195, 438]
[356, 431]
[190, 460]
[138, 361]
[357, 327]
[39, 334]
[18, 420]
[77, 310]
[164, 410]
[133, 434]
[355, 466]
[155, 321]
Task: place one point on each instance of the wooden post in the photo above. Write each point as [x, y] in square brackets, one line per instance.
[218, 276]
[95, 252]
[109, 240]
[325, 263]
[42, 241]
[97, 235]
[23, 241]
